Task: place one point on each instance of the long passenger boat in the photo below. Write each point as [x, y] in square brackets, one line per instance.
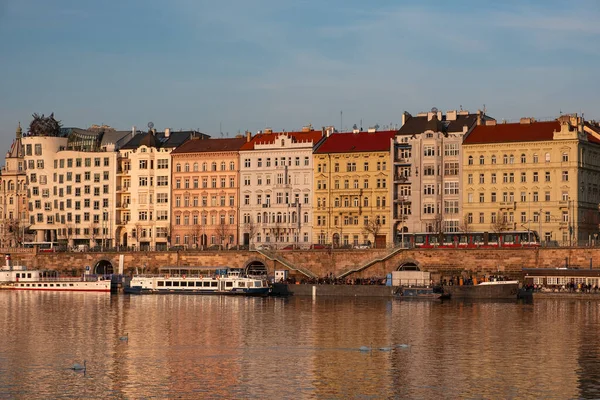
[198, 280]
[18, 277]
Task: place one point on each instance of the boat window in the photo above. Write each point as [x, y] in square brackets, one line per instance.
[198, 283]
[176, 283]
[168, 283]
[257, 283]
[206, 283]
[241, 284]
[213, 284]
[160, 283]
[29, 275]
[71, 284]
[228, 284]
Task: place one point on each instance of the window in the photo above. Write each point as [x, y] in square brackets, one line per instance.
[565, 176]
[481, 160]
[547, 157]
[565, 157]
[450, 149]
[535, 177]
[535, 158]
[429, 151]
[481, 178]
[470, 160]
[450, 188]
[494, 178]
[523, 177]
[162, 164]
[523, 159]
[547, 176]
[247, 163]
[451, 169]
[493, 159]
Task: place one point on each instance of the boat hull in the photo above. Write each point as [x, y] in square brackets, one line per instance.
[491, 290]
[83, 286]
[258, 292]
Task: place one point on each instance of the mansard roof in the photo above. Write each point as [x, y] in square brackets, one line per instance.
[359, 142]
[421, 123]
[198, 145]
[270, 137]
[513, 132]
[171, 139]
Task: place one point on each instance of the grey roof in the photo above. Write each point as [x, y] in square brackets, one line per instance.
[158, 139]
[420, 124]
[118, 138]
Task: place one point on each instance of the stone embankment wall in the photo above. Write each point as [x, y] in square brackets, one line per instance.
[353, 263]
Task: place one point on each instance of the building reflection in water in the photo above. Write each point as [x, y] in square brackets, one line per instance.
[226, 347]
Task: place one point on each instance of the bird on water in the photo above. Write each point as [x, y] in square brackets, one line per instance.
[78, 367]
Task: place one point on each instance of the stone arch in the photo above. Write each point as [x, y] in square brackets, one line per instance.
[103, 267]
[408, 264]
[256, 267]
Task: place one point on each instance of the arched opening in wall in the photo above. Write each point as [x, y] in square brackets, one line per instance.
[256, 268]
[103, 267]
[124, 242]
[408, 266]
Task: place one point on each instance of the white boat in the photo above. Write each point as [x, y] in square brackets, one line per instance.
[18, 277]
[198, 280]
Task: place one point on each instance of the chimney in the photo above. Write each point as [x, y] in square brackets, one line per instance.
[478, 117]
[405, 117]
[133, 130]
[248, 136]
[167, 132]
[322, 131]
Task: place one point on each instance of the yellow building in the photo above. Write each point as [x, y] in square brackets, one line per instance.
[352, 180]
[534, 176]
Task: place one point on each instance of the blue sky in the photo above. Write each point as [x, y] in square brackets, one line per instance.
[282, 64]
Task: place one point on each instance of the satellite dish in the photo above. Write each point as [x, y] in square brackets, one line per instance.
[150, 125]
[434, 109]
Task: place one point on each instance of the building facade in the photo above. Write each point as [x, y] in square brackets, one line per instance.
[276, 187]
[205, 207]
[143, 201]
[353, 174]
[427, 164]
[534, 176]
[14, 220]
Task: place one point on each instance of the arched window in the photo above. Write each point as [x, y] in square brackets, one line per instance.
[187, 167]
[195, 167]
[204, 166]
[213, 166]
[494, 159]
[523, 159]
[178, 167]
[547, 157]
[535, 158]
[223, 165]
[470, 160]
[481, 160]
[231, 166]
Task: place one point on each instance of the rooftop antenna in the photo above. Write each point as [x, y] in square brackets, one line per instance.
[341, 121]
[484, 109]
[461, 107]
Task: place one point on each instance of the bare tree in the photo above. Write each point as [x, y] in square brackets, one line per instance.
[198, 231]
[500, 225]
[222, 230]
[438, 227]
[251, 228]
[373, 227]
[466, 225]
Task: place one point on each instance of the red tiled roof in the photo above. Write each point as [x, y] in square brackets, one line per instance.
[269, 138]
[210, 145]
[348, 142]
[500, 133]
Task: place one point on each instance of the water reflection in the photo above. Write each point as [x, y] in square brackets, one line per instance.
[225, 347]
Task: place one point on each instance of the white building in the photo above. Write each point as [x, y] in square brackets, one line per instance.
[276, 184]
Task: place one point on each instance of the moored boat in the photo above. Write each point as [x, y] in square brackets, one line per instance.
[418, 292]
[198, 280]
[484, 290]
[18, 277]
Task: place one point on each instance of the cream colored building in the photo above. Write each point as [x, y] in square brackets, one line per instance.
[205, 207]
[276, 202]
[143, 187]
[14, 220]
[352, 189]
[534, 176]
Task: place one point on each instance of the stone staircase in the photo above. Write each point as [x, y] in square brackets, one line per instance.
[389, 254]
[274, 256]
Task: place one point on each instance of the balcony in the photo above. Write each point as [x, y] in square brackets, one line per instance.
[398, 178]
[507, 204]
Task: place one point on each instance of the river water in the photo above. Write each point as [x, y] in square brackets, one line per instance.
[192, 347]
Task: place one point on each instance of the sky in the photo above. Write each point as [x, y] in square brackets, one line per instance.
[224, 67]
